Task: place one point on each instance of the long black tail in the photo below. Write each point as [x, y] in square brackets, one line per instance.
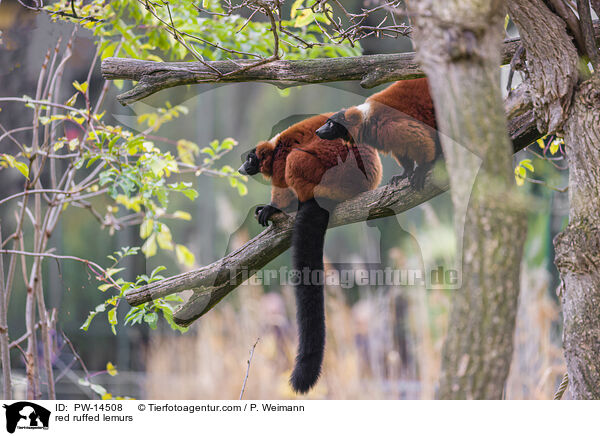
[308, 239]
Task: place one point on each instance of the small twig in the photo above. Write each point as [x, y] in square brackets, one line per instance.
[97, 269]
[24, 336]
[4, 345]
[516, 63]
[543, 183]
[248, 368]
[36, 191]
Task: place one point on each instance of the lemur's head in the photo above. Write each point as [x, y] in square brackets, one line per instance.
[259, 160]
[343, 124]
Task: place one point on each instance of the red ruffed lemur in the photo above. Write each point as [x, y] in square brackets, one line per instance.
[399, 120]
[316, 173]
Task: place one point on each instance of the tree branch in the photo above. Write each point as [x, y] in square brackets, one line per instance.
[587, 30]
[371, 70]
[213, 282]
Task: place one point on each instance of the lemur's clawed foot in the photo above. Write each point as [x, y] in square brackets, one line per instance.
[263, 213]
[395, 181]
[417, 180]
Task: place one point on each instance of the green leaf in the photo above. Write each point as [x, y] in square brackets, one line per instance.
[156, 270]
[146, 228]
[304, 18]
[81, 87]
[184, 255]
[228, 144]
[186, 150]
[179, 214]
[111, 369]
[151, 319]
[105, 287]
[158, 166]
[112, 319]
[23, 168]
[295, 6]
[88, 321]
[541, 143]
[98, 389]
[190, 193]
[527, 164]
[164, 238]
[208, 150]
[242, 189]
[112, 271]
[149, 248]
[72, 100]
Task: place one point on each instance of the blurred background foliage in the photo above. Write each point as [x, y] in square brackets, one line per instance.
[383, 342]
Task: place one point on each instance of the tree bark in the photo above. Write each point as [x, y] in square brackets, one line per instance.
[371, 70]
[567, 107]
[578, 246]
[458, 44]
[552, 61]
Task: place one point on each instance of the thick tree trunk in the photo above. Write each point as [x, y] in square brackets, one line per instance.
[564, 106]
[578, 246]
[458, 43]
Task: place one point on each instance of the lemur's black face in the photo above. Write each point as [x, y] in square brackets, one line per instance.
[334, 127]
[251, 165]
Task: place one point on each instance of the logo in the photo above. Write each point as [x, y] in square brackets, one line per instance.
[26, 415]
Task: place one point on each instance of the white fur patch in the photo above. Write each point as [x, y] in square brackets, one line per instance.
[365, 108]
[274, 139]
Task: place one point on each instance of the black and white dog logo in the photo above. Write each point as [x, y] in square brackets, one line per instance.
[26, 415]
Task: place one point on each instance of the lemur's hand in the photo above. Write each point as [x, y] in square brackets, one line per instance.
[263, 213]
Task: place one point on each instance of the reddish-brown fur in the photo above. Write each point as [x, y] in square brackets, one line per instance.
[302, 165]
[400, 121]
[411, 97]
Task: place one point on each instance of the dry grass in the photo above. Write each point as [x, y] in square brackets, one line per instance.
[386, 345]
[363, 360]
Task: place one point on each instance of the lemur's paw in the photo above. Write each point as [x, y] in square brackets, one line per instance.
[417, 180]
[395, 181]
[263, 213]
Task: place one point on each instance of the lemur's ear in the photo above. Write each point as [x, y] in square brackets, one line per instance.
[353, 116]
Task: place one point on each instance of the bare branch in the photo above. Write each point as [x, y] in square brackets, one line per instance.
[37, 191]
[371, 70]
[248, 368]
[587, 30]
[566, 13]
[596, 6]
[4, 342]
